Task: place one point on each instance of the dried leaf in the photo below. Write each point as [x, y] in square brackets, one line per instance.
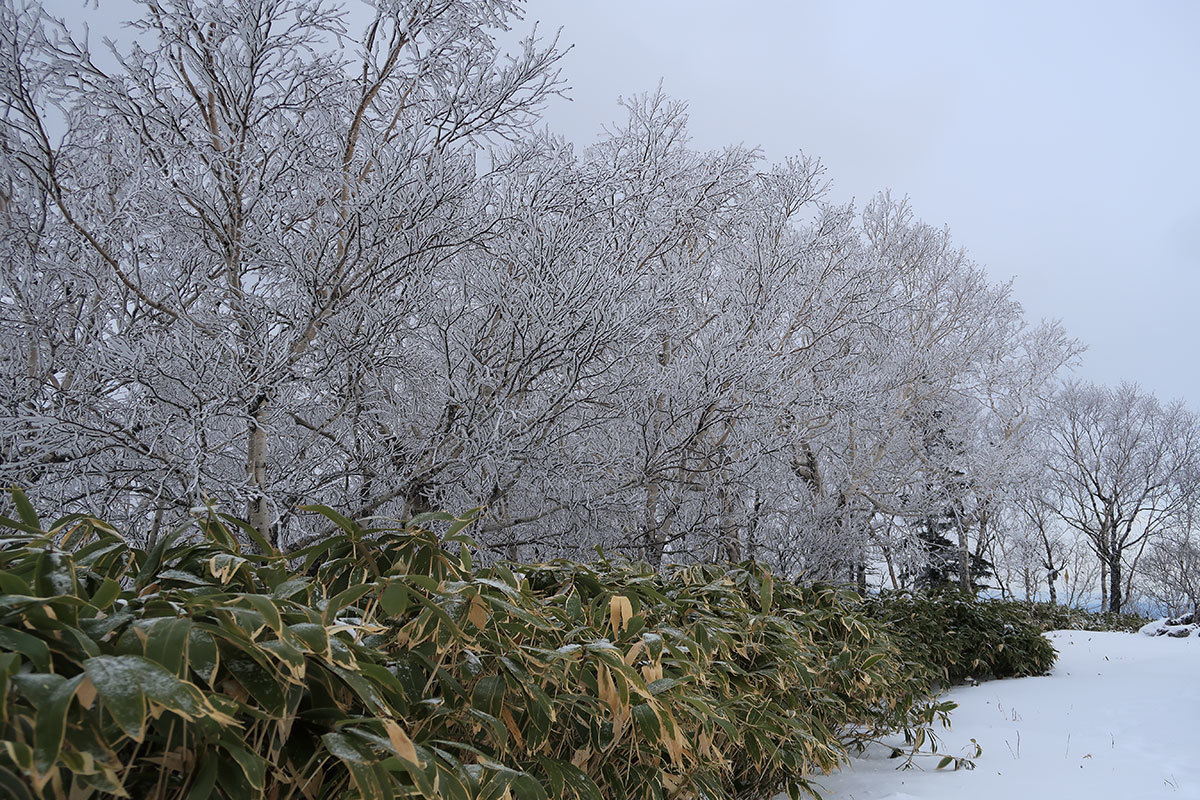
[403, 745]
[478, 613]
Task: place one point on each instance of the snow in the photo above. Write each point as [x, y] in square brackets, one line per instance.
[1116, 718]
[1178, 628]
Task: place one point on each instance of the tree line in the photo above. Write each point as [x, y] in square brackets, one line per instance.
[268, 255]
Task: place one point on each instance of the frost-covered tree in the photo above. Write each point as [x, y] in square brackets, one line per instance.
[270, 260]
[1123, 463]
[1172, 565]
[1041, 540]
[224, 241]
[946, 427]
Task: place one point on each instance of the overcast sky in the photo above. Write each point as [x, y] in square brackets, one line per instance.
[1057, 140]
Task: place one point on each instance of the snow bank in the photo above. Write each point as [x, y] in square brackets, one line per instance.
[1180, 628]
[1115, 719]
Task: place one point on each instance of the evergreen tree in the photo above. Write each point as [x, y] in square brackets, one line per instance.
[942, 554]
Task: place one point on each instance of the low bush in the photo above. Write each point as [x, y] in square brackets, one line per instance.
[957, 637]
[382, 663]
[1053, 617]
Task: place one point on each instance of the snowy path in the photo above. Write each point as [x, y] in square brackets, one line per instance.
[1118, 718]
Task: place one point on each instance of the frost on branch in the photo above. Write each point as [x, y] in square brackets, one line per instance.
[273, 260]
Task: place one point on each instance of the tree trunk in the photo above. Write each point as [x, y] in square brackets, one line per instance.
[1103, 584]
[752, 528]
[1051, 572]
[1127, 590]
[964, 557]
[731, 547]
[891, 567]
[257, 513]
[1114, 592]
[155, 527]
[652, 544]
[982, 544]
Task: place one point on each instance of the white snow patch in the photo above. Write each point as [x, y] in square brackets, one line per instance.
[1175, 628]
[1117, 718]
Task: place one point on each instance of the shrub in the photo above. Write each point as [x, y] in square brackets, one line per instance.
[958, 637]
[1053, 617]
[380, 664]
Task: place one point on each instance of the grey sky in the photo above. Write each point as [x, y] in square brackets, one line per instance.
[1058, 140]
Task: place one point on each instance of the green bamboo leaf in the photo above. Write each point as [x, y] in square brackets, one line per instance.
[125, 682]
[121, 693]
[290, 588]
[425, 779]
[52, 723]
[262, 544]
[179, 576]
[507, 588]
[54, 575]
[20, 753]
[247, 622]
[359, 765]
[646, 722]
[366, 691]
[663, 685]
[488, 695]
[577, 782]
[527, 786]
[109, 556]
[574, 607]
[348, 526]
[225, 566]
[167, 643]
[9, 664]
[451, 787]
[266, 607]
[148, 573]
[10, 583]
[383, 679]
[25, 509]
[27, 645]
[291, 658]
[108, 591]
[554, 776]
[315, 553]
[394, 599]
[13, 787]
[460, 523]
[252, 765]
[232, 783]
[261, 681]
[343, 599]
[76, 528]
[103, 779]
[314, 637]
[203, 656]
[204, 780]
[767, 594]
[17, 525]
[872, 660]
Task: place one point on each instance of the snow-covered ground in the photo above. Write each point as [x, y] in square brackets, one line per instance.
[1118, 718]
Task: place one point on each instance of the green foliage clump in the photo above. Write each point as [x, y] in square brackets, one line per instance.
[382, 663]
[1054, 617]
[950, 636]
